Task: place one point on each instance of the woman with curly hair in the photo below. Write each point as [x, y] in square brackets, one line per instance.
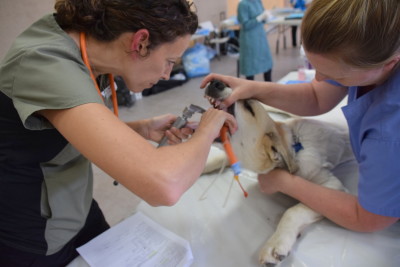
[54, 124]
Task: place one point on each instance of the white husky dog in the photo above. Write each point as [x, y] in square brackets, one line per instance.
[305, 147]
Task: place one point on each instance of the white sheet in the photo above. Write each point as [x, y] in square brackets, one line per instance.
[232, 235]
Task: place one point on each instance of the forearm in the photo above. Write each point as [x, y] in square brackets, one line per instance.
[250, 24]
[295, 98]
[246, 22]
[140, 127]
[338, 206]
[304, 99]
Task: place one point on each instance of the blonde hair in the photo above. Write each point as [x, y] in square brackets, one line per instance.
[362, 33]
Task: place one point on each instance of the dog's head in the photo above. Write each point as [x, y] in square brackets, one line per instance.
[259, 142]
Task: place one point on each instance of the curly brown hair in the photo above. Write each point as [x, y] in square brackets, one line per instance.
[106, 20]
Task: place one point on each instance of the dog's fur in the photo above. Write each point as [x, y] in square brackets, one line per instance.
[262, 144]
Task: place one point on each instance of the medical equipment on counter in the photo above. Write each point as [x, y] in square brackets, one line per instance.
[181, 121]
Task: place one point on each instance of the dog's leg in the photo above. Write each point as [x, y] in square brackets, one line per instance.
[293, 221]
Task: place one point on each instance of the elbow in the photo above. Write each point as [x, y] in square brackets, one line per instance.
[167, 192]
[367, 222]
[168, 198]
[373, 227]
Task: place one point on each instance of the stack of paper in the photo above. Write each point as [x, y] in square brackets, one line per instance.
[137, 241]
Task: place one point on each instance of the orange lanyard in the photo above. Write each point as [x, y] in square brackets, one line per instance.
[82, 41]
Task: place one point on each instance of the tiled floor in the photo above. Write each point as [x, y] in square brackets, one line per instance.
[117, 202]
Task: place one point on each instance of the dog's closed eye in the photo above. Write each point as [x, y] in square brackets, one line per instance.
[270, 148]
[271, 135]
[276, 156]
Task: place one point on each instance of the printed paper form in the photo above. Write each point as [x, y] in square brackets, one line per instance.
[137, 241]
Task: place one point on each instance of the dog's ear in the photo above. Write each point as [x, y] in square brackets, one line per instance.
[277, 150]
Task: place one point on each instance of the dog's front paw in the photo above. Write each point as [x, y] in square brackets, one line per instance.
[274, 251]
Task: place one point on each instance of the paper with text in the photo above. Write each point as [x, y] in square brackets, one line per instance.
[137, 241]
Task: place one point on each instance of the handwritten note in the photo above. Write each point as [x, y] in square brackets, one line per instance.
[137, 241]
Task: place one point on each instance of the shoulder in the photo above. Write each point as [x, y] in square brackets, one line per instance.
[51, 68]
[43, 46]
[44, 70]
[46, 37]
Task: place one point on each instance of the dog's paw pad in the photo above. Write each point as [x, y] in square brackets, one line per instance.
[280, 257]
[271, 262]
[271, 255]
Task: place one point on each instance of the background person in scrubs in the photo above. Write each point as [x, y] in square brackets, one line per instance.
[300, 5]
[255, 56]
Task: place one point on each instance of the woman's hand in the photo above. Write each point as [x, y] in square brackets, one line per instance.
[212, 121]
[274, 181]
[159, 126]
[241, 88]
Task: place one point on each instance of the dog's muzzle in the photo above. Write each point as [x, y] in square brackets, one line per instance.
[217, 90]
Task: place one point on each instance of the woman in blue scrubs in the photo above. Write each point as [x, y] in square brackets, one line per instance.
[354, 45]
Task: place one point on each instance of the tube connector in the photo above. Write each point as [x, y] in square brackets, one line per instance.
[236, 168]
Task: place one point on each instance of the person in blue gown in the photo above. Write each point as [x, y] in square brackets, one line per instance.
[255, 56]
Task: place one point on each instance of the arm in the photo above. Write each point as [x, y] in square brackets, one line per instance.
[141, 127]
[305, 99]
[246, 21]
[340, 207]
[159, 176]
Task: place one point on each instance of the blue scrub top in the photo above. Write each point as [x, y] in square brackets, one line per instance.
[374, 125]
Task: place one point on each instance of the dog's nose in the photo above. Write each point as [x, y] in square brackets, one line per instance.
[219, 85]
[217, 90]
